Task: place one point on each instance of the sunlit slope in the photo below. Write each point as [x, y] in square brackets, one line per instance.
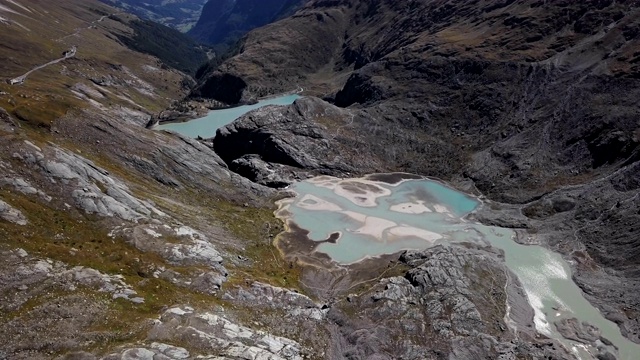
[102, 70]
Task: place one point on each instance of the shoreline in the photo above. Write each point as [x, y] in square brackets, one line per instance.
[283, 204]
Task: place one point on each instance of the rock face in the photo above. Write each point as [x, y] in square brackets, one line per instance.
[114, 199]
[223, 22]
[533, 102]
[268, 174]
[450, 304]
[10, 214]
[214, 333]
[293, 137]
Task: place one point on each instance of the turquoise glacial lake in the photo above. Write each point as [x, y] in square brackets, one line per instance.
[206, 126]
[373, 218]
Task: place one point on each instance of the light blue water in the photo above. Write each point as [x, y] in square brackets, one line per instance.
[354, 246]
[206, 126]
[417, 214]
[459, 203]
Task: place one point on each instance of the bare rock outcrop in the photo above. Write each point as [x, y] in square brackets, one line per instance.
[215, 334]
[293, 137]
[493, 93]
[450, 304]
[11, 214]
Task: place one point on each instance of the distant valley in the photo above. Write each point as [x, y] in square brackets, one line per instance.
[224, 22]
[178, 14]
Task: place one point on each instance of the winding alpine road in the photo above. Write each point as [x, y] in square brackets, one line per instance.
[67, 54]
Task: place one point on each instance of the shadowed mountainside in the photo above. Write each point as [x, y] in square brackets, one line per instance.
[178, 14]
[223, 22]
[171, 46]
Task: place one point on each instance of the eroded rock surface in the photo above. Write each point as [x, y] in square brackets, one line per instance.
[23, 186]
[449, 304]
[11, 214]
[94, 190]
[213, 333]
[287, 136]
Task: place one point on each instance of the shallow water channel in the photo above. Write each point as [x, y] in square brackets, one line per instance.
[368, 217]
[206, 126]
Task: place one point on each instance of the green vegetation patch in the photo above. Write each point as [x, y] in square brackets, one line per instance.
[83, 240]
[257, 226]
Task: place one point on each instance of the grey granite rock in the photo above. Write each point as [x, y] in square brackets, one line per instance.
[255, 169]
[83, 176]
[580, 332]
[24, 187]
[287, 136]
[450, 304]
[137, 354]
[11, 214]
[215, 334]
[208, 283]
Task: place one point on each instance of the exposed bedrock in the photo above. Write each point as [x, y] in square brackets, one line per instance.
[10, 214]
[523, 133]
[450, 304]
[222, 23]
[536, 155]
[518, 130]
[291, 136]
[261, 172]
[597, 224]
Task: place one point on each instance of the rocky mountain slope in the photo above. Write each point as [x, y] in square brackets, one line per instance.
[532, 103]
[178, 14]
[110, 232]
[119, 242]
[223, 22]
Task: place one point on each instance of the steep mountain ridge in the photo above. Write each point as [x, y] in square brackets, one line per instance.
[357, 33]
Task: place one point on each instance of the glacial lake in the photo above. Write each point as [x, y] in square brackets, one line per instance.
[369, 218]
[206, 126]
